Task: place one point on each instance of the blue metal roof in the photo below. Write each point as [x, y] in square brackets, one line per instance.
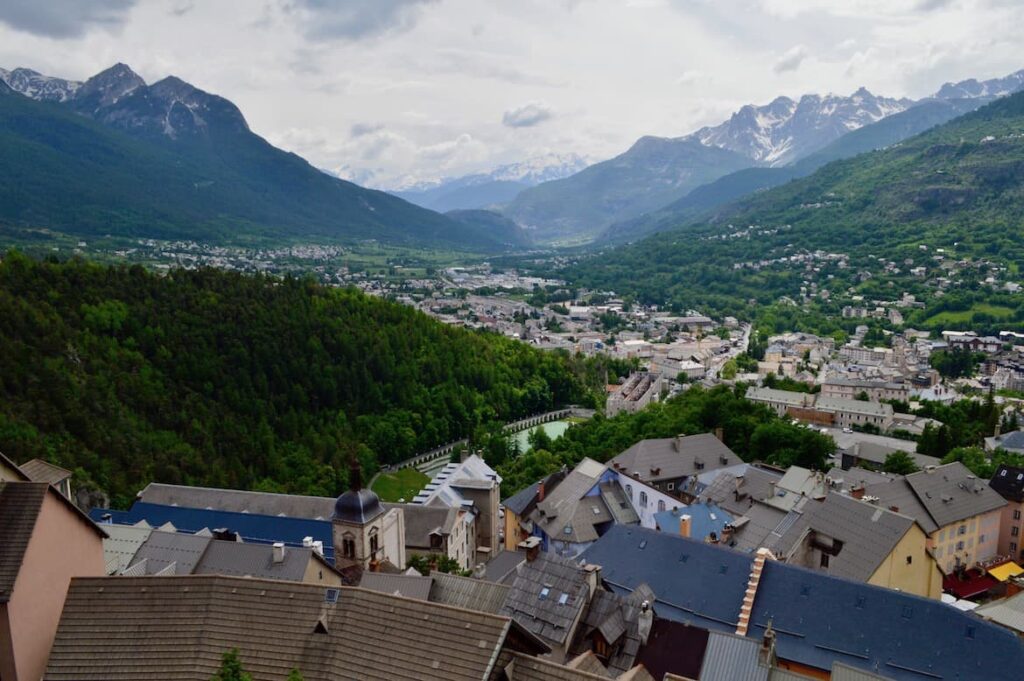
[704, 519]
[253, 528]
[818, 618]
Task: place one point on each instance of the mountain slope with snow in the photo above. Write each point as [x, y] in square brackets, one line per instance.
[37, 86]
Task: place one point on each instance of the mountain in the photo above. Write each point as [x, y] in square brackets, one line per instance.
[37, 86]
[498, 227]
[956, 186]
[995, 87]
[169, 160]
[706, 198]
[501, 185]
[786, 130]
[215, 378]
[658, 171]
[652, 173]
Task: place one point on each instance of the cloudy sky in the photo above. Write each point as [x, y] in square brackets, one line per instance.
[390, 92]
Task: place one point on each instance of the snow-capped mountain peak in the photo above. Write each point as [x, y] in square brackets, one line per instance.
[784, 130]
[973, 88]
[37, 86]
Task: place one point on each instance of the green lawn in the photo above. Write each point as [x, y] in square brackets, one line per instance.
[402, 484]
[964, 316]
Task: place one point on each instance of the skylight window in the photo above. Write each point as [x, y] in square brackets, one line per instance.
[331, 596]
[544, 593]
[643, 544]
[563, 599]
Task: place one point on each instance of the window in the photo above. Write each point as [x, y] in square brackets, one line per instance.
[671, 486]
[643, 499]
[959, 546]
[348, 546]
[374, 542]
[661, 505]
[961, 530]
[910, 560]
[1015, 531]
[629, 491]
[1016, 514]
[824, 561]
[1013, 547]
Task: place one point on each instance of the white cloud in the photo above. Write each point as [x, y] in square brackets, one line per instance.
[401, 91]
[791, 60]
[527, 115]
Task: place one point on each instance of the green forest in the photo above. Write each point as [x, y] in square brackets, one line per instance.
[215, 378]
[751, 430]
[957, 187]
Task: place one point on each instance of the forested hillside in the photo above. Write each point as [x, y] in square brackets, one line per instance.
[959, 187]
[751, 430]
[215, 378]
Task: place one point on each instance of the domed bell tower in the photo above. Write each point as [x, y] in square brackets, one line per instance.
[357, 525]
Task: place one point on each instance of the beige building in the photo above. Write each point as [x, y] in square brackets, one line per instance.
[876, 391]
[637, 392]
[44, 542]
[959, 513]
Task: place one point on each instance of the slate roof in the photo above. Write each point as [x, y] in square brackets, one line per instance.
[951, 493]
[504, 564]
[468, 593]
[38, 470]
[856, 476]
[1010, 441]
[843, 404]
[1008, 481]
[736, 492]
[256, 560]
[422, 521]
[1008, 612]
[788, 397]
[519, 502]
[898, 493]
[674, 457]
[163, 550]
[179, 627]
[568, 508]
[20, 505]
[617, 619]
[547, 596]
[755, 526]
[411, 586]
[818, 618]
[443, 489]
[121, 544]
[526, 668]
[869, 533]
[674, 649]
[239, 501]
[253, 528]
[618, 504]
[729, 657]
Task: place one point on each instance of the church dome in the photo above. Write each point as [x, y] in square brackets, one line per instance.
[357, 506]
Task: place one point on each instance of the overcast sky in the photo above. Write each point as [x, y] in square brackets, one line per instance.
[394, 91]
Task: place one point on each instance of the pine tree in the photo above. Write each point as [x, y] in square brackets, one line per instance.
[295, 675]
[231, 668]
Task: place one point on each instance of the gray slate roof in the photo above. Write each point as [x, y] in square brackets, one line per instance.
[421, 521]
[547, 596]
[240, 501]
[736, 493]
[674, 457]
[162, 549]
[567, 507]
[617, 617]
[1008, 482]
[951, 493]
[502, 567]
[254, 560]
[1008, 612]
[466, 592]
[411, 586]
[729, 657]
[869, 533]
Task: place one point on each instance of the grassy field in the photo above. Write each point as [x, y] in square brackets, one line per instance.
[402, 484]
[951, 317]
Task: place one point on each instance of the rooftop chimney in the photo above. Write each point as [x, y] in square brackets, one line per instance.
[593, 578]
[857, 491]
[684, 525]
[532, 547]
[645, 622]
[307, 542]
[278, 553]
[540, 491]
[720, 434]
